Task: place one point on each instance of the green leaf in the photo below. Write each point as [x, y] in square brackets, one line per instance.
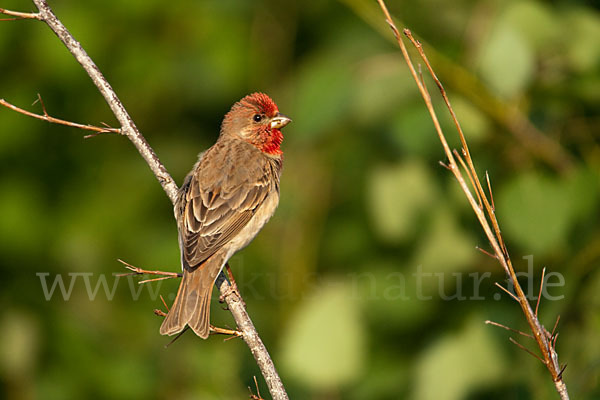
[583, 191]
[324, 346]
[446, 247]
[455, 365]
[397, 196]
[534, 21]
[582, 48]
[390, 292]
[413, 130]
[473, 122]
[506, 61]
[382, 82]
[21, 210]
[323, 94]
[536, 211]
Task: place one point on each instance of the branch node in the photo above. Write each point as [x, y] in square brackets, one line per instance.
[515, 298]
[526, 349]
[487, 253]
[19, 15]
[443, 164]
[560, 374]
[160, 313]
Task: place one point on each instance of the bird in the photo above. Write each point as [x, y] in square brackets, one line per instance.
[226, 199]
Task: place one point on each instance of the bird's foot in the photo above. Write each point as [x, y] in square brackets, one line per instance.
[215, 330]
[232, 288]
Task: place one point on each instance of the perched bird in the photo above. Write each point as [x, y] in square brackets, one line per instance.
[229, 195]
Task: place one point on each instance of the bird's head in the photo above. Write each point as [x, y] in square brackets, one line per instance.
[257, 120]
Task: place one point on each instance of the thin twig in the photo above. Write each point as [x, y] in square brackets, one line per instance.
[555, 324]
[164, 303]
[48, 118]
[562, 370]
[160, 313]
[537, 306]
[19, 15]
[443, 164]
[508, 328]
[487, 178]
[466, 169]
[494, 236]
[155, 279]
[507, 291]
[487, 253]
[256, 396]
[526, 349]
[215, 330]
[139, 271]
[180, 334]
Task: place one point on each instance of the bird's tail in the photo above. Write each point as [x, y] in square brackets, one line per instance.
[192, 304]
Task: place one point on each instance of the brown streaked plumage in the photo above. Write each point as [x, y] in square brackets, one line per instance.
[229, 195]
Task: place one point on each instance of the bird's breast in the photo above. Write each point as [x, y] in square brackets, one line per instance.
[258, 220]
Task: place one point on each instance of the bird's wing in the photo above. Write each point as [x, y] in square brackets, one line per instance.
[220, 196]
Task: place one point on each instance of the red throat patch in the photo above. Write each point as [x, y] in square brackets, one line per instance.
[272, 141]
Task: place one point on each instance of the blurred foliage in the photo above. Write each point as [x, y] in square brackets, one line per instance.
[358, 283]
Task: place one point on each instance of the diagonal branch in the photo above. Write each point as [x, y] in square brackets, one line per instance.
[129, 129]
[485, 214]
[508, 115]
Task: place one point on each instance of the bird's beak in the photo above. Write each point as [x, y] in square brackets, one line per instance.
[279, 121]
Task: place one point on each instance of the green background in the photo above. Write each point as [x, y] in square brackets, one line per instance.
[331, 282]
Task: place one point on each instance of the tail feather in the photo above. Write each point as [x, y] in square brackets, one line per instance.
[192, 304]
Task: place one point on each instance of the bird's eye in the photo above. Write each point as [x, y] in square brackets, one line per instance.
[257, 118]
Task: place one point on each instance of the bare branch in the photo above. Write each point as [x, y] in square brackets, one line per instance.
[48, 118]
[19, 15]
[462, 163]
[487, 253]
[256, 396]
[555, 324]
[140, 271]
[488, 322]
[443, 164]
[160, 313]
[508, 115]
[526, 349]
[492, 232]
[129, 129]
[507, 291]
[537, 306]
[487, 178]
[215, 330]
[250, 336]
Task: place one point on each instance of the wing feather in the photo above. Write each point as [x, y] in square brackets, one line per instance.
[214, 205]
